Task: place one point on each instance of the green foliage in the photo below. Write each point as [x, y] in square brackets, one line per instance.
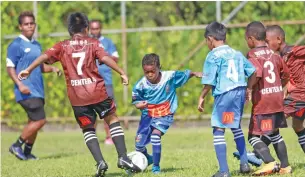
[172, 46]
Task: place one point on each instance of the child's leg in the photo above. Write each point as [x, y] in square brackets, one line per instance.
[142, 139]
[156, 146]
[221, 149]
[260, 148]
[280, 148]
[240, 144]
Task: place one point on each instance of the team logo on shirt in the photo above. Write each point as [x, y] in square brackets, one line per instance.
[138, 138]
[27, 50]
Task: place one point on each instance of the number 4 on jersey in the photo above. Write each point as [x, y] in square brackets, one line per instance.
[231, 72]
[81, 56]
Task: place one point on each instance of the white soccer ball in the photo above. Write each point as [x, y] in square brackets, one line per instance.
[138, 159]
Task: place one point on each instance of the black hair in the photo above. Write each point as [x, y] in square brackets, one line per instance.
[151, 59]
[257, 30]
[96, 21]
[25, 14]
[277, 29]
[216, 30]
[77, 22]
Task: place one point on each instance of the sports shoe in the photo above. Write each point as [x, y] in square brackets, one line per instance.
[245, 168]
[101, 169]
[267, 169]
[108, 141]
[126, 163]
[222, 174]
[17, 151]
[31, 157]
[252, 159]
[287, 170]
[149, 159]
[156, 170]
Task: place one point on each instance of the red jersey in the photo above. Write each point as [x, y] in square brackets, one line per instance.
[267, 95]
[294, 57]
[78, 58]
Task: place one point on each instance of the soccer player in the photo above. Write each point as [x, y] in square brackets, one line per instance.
[86, 88]
[155, 95]
[267, 98]
[294, 57]
[28, 93]
[104, 70]
[225, 71]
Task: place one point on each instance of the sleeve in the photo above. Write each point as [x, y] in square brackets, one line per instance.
[258, 67]
[137, 94]
[209, 71]
[284, 70]
[299, 52]
[100, 52]
[181, 77]
[13, 55]
[112, 50]
[248, 67]
[54, 53]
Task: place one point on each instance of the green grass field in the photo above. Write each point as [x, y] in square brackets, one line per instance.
[185, 152]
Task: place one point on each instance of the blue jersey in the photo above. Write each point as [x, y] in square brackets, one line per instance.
[20, 54]
[161, 97]
[226, 69]
[104, 70]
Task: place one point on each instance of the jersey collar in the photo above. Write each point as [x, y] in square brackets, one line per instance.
[101, 38]
[25, 38]
[220, 47]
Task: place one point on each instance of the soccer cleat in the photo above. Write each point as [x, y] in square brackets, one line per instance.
[126, 163]
[102, 167]
[252, 159]
[149, 159]
[156, 170]
[245, 168]
[31, 157]
[287, 170]
[222, 174]
[267, 169]
[17, 151]
[108, 141]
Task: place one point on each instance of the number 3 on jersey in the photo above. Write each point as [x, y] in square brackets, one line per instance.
[231, 72]
[271, 77]
[81, 56]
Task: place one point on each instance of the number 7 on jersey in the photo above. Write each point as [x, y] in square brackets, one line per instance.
[81, 56]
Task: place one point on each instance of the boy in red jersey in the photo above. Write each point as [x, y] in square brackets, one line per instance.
[267, 98]
[86, 88]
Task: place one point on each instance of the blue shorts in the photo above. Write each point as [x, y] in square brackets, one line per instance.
[148, 124]
[228, 108]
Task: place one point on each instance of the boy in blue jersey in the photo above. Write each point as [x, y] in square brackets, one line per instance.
[225, 71]
[155, 95]
[29, 93]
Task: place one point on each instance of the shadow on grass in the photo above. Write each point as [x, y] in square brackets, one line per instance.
[298, 166]
[58, 155]
[114, 175]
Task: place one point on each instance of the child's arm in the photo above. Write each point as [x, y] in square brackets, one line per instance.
[196, 74]
[141, 105]
[137, 97]
[203, 94]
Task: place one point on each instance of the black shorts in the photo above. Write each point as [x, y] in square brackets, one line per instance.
[295, 108]
[34, 107]
[86, 115]
[266, 124]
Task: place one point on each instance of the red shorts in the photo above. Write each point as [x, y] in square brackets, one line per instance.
[266, 124]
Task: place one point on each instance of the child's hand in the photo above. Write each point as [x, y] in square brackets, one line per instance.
[124, 79]
[201, 104]
[141, 105]
[197, 74]
[248, 95]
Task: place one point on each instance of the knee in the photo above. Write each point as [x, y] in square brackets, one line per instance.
[297, 127]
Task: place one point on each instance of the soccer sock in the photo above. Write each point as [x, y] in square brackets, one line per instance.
[240, 144]
[156, 146]
[266, 139]
[28, 148]
[280, 148]
[301, 136]
[19, 142]
[143, 150]
[221, 149]
[93, 144]
[260, 148]
[118, 138]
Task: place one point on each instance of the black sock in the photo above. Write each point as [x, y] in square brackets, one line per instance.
[28, 148]
[301, 135]
[266, 139]
[118, 138]
[280, 148]
[93, 144]
[19, 142]
[260, 148]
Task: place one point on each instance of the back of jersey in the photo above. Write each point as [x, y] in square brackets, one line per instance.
[226, 69]
[78, 58]
[268, 92]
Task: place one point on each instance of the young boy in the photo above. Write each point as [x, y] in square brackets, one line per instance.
[267, 111]
[86, 88]
[294, 57]
[225, 71]
[155, 95]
